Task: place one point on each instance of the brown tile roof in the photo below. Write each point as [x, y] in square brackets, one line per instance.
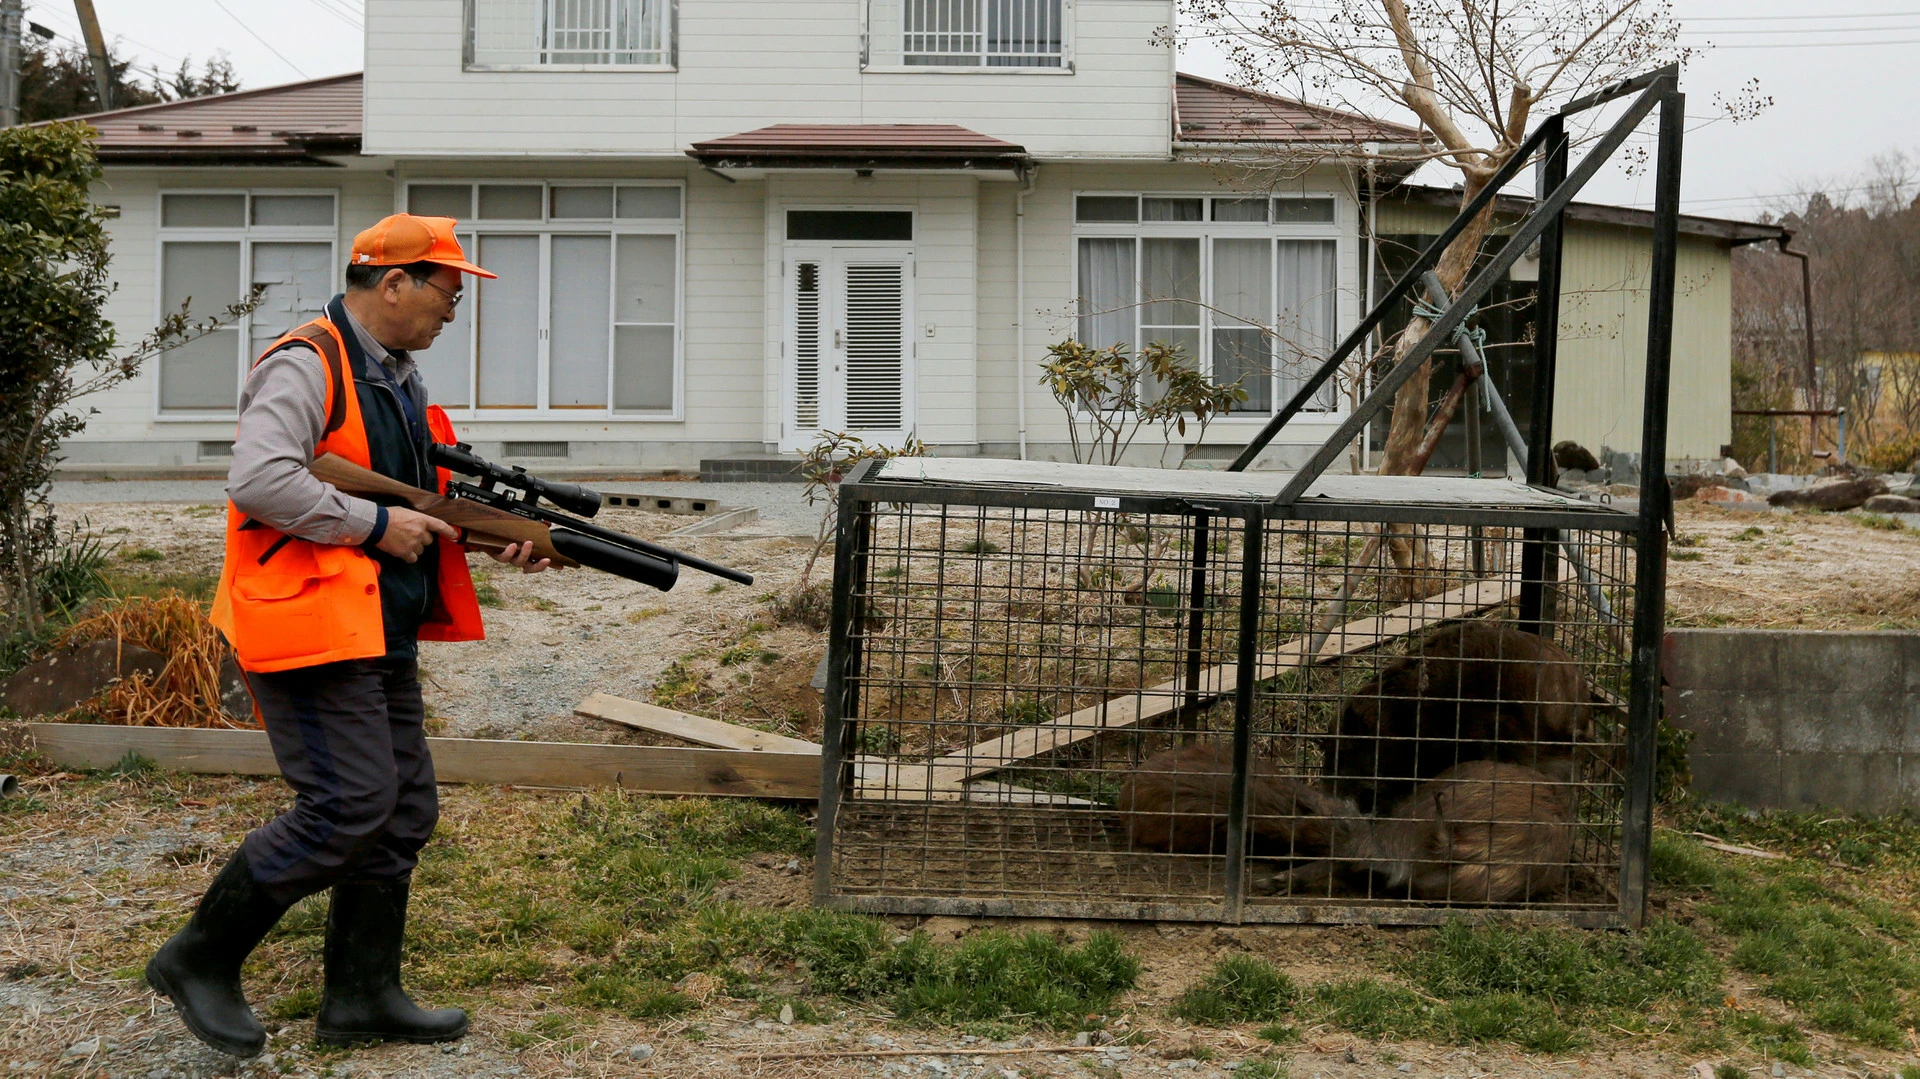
[1210, 111]
[859, 146]
[293, 123]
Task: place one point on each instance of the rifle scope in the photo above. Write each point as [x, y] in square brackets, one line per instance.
[460, 458]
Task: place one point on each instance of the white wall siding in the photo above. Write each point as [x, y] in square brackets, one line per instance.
[744, 64]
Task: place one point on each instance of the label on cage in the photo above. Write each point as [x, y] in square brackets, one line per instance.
[1105, 502]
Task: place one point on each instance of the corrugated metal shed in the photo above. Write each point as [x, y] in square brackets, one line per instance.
[298, 123]
[1606, 273]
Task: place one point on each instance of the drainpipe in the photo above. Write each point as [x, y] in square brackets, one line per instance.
[1020, 302]
[1806, 310]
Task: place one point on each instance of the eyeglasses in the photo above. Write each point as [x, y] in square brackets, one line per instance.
[453, 298]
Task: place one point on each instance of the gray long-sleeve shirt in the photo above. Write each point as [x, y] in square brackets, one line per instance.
[283, 413]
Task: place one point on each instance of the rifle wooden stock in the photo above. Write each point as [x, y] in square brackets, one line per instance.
[482, 527]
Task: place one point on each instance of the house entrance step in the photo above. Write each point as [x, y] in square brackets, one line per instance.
[752, 468]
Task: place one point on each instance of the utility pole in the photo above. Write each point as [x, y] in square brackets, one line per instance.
[11, 17]
[96, 51]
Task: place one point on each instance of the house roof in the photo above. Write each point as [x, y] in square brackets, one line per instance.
[290, 124]
[1207, 111]
[860, 146]
[1735, 233]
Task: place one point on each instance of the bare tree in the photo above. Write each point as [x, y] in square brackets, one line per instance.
[1862, 239]
[1473, 74]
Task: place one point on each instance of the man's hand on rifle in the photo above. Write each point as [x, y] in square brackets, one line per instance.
[409, 532]
[521, 554]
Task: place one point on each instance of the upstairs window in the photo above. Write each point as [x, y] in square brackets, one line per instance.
[968, 33]
[544, 33]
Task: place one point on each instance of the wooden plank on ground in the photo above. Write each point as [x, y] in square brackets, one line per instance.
[1151, 702]
[687, 727]
[645, 769]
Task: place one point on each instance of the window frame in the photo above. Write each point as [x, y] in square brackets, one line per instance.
[670, 62]
[869, 66]
[546, 228]
[1206, 231]
[246, 234]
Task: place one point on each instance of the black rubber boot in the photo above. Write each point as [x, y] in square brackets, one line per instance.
[199, 969]
[363, 1001]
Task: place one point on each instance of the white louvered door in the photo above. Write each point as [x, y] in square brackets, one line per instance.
[849, 346]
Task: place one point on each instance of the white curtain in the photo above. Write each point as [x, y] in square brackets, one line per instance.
[1306, 318]
[1106, 292]
[1243, 308]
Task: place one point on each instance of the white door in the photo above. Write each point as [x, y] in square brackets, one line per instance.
[849, 352]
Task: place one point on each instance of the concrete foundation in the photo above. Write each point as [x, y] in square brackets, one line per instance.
[1797, 719]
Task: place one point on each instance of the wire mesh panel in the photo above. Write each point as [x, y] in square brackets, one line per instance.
[1128, 703]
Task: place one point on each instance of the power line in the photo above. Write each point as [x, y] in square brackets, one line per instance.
[1819, 44]
[340, 12]
[261, 40]
[1785, 18]
[1803, 30]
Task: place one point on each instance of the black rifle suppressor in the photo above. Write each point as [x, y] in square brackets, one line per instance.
[588, 544]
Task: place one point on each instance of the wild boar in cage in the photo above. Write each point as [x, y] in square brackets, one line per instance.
[1098, 698]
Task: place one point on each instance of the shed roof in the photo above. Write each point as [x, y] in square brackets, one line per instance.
[1209, 111]
[1733, 232]
[293, 123]
[859, 146]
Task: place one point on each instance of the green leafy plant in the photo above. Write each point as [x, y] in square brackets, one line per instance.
[56, 345]
[1112, 394]
[832, 456]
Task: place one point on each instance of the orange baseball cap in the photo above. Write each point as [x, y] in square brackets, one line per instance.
[404, 238]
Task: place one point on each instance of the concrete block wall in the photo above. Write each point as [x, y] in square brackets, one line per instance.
[1797, 719]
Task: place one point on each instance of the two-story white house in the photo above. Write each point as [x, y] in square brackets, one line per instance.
[722, 226]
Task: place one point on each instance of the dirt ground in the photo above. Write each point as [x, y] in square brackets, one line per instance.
[96, 878]
[103, 869]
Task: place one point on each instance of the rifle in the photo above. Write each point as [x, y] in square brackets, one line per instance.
[490, 519]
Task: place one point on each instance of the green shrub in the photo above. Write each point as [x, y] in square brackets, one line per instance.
[1239, 989]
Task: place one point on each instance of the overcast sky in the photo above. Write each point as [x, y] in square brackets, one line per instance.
[1844, 76]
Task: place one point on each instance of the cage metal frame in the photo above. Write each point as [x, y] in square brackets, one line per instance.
[1540, 526]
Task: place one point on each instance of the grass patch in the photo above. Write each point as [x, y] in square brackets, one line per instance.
[142, 554]
[634, 618]
[299, 1004]
[486, 592]
[1686, 556]
[980, 546]
[1880, 521]
[1748, 534]
[1842, 958]
[1239, 989]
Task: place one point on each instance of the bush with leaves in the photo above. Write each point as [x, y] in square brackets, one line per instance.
[56, 345]
[1112, 394]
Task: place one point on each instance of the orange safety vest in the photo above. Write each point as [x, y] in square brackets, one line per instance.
[284, 602]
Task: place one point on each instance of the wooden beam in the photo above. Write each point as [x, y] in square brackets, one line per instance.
[645, 769]
[688, 728]
[1151, 702]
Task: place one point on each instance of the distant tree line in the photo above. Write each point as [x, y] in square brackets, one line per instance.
[56, 81]
[1863, 243]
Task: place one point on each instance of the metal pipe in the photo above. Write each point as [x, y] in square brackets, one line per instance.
[1843, 434]
[1248, 659]
[9, 785]
[1020, 304]
[1656, 509]
[1806, 318]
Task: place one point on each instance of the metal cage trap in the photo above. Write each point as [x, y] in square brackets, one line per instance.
[1090, 692]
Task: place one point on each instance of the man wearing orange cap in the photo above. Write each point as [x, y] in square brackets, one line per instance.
[323, 597]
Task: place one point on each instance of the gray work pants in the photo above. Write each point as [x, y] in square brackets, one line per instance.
[349, 741]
